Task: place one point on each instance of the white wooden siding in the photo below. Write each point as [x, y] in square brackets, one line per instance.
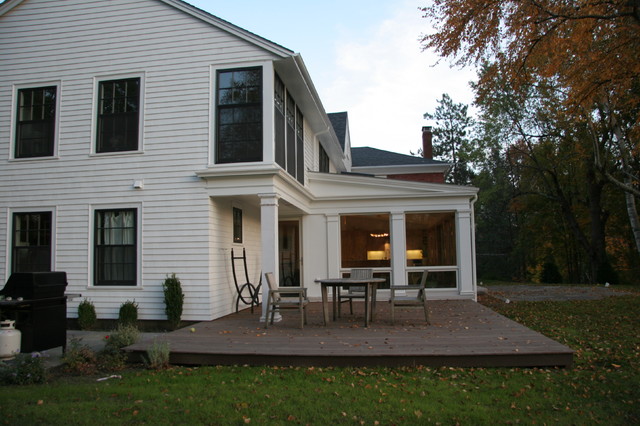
[183, 232]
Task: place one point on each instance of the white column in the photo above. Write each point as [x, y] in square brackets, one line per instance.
[333, 245]
[465, 254]
[398, 249]
[269, 241]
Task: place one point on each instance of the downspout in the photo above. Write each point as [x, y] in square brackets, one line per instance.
[474, 282]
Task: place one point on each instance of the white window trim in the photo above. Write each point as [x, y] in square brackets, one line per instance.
[94, 116]
[91, 249]
[9, 227]
[14, 118]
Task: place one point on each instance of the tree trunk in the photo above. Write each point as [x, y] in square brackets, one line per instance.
[632, 212]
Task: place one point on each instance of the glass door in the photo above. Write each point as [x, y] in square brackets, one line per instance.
[289, 252]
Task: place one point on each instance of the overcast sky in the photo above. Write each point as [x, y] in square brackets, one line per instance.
[364, 58]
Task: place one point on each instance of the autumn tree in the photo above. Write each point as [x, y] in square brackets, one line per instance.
[588, 47]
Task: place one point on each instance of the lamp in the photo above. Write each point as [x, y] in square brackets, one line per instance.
[375, 255]
[414, 254]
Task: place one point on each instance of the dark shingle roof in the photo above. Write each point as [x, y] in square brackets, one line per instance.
[371, 157]
[339, 123]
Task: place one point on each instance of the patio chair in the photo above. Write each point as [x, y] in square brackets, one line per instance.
[354, 292]
[410, 295]
[285, 298]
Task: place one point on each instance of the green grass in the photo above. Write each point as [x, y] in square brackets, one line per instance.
[602, 388]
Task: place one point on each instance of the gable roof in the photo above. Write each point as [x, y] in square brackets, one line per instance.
[373, 157]
[339, 123]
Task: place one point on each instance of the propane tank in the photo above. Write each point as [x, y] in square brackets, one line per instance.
[9, 340]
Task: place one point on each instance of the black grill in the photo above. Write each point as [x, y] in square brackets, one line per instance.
[36, 301]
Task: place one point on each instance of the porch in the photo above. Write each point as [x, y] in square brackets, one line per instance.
[462, 333]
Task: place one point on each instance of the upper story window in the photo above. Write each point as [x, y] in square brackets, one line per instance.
[118, 115]
[36, 122]
[323, 160]
[239, 115]
[289, 132]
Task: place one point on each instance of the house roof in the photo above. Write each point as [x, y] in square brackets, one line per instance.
[373, 157]
[339, 123]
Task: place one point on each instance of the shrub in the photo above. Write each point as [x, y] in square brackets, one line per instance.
[86, 315]
[79, 358]
[550, 273]
[122, 336]
[173, 300]
[24, 369]
[128, 314]
[158, 356]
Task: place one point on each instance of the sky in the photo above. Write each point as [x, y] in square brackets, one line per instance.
[364, 57]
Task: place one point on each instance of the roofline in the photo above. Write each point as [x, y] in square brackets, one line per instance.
[402, 169]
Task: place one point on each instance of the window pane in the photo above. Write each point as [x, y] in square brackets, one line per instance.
[239, 116]
[237, 225]
[115, 247]
[31, 242]
[118, 115]
[35, 127]
[431, 239]
[365, 241]
[438, 279]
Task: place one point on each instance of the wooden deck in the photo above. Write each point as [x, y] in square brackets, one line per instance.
[462, 334]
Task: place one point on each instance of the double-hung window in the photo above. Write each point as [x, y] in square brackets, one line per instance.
[289, 131]
[118, 120]
[239, 115]
[31, 248]
[115, 251]
[36, 122]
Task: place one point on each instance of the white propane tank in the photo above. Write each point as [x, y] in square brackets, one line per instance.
[9, 340]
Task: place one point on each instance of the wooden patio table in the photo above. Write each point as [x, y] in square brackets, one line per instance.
[370, 286]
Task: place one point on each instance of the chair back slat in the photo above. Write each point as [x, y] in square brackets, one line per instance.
[362, 273]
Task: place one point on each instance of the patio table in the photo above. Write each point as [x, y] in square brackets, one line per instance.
[370, 286]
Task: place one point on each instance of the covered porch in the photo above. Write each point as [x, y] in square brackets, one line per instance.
[462, 333]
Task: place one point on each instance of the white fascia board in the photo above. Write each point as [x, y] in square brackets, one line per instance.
[402, 170]
[230, 28]
[8, 5]
[338, 187]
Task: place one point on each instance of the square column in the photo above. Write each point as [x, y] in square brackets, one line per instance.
[269, 244]
[398, 249]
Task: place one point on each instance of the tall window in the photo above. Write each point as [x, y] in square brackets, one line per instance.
[36, 122]
[115, 251]
[237, 225]
[118, 115]
[289, 132]
[239, 116]
[323, 160]
[31, 251]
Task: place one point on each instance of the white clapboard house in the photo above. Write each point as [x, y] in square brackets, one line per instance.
[140, 138]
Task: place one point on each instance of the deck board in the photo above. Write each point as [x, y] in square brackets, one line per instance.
[462, 333]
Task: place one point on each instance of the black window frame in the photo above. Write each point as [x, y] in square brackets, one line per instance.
[118, 115]
[35, 254]
[35, 134]
[237, 225]
[122, 255]
[239, 110]
[323, 160]
[289, 131]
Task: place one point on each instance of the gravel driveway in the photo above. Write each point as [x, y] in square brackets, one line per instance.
[534, 293]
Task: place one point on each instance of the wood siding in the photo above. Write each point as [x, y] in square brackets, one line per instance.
[76, 42]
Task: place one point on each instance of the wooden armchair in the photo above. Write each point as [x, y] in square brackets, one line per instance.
[354, 292]
[285, 298]
[410, 295]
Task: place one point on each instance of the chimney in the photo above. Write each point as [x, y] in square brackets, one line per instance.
[427, 145]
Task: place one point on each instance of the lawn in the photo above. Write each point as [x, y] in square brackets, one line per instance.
[601, 388]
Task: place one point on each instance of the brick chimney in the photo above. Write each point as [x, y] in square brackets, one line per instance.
[427, 145]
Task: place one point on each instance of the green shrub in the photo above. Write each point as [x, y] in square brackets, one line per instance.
[86, 315]
[158, 356]
[173, 300]
[122, 336]
[550, 273]
[79, 358]
[24, 369]
[128, 314]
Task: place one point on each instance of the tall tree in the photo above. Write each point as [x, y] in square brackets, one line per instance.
[589, 47]
[452, 138]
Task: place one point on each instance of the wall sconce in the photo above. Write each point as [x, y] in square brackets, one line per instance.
[414, 254]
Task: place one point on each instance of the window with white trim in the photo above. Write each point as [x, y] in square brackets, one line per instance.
[118, 117]
[115, 247]
[35, 122]
[31, 242]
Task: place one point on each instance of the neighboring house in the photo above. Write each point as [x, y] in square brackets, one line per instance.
[140, 138]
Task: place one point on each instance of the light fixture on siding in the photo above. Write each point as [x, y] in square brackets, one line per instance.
[138, 184]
